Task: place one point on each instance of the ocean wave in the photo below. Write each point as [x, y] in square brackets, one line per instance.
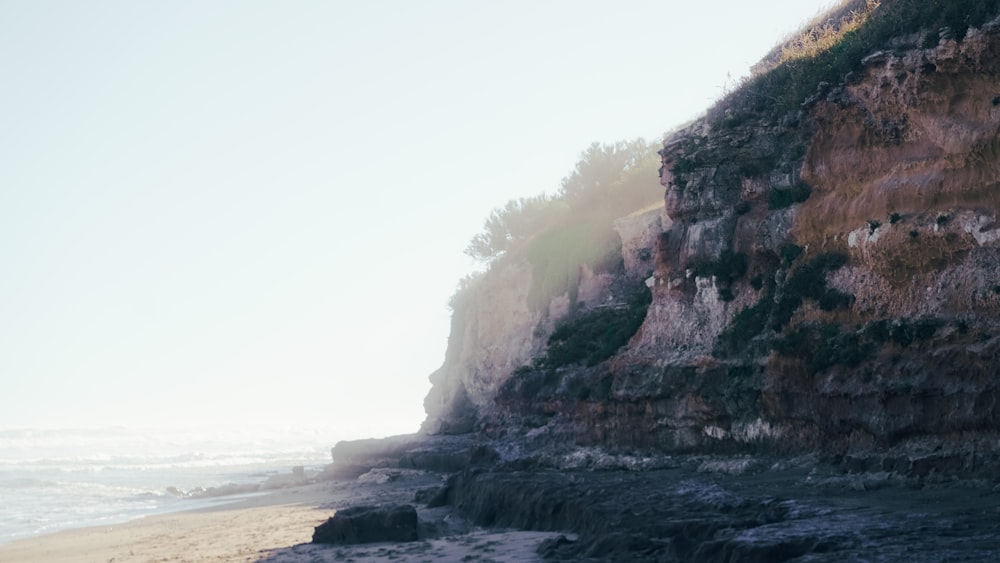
[97, 464]
[57, 479]
[25, 445]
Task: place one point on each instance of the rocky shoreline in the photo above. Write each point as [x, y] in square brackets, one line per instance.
[698, 507]
[476, 499]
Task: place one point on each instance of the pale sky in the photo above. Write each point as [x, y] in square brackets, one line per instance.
[246, 213]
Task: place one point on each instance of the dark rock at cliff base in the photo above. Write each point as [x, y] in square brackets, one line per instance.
[369, 524]
[792, 511]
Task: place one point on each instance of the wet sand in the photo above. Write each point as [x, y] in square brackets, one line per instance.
[277, 528]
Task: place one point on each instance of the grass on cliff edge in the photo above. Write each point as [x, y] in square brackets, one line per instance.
[833, 46]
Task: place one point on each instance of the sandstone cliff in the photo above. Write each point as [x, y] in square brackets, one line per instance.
[825, 278]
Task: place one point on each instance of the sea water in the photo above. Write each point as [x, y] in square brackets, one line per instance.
[57, 479]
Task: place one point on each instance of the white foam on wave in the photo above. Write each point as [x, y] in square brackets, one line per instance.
[20, 445]
[52, 479]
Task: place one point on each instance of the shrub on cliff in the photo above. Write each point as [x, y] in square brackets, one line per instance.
[809, 282]
[780, 198]
[777, 305]
[825, 345]
[835, 44]
[596, 335]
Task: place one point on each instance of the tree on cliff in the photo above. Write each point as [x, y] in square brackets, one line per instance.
[519, 220]
[612, 180]
[609, 181]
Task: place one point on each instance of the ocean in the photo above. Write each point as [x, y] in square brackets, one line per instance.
[53, 480]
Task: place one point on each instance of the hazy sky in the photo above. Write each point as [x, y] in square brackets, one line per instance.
[253, 213]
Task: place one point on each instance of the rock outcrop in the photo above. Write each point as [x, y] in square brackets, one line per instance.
[823, 279]
[790, 359]
[369, 524]
[778, 514]
[489, 338]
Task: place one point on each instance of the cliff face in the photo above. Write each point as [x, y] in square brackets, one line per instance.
[904, 169]
[827, 279]
[492, 332]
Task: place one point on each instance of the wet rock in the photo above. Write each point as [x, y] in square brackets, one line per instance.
[369, 524]
[683, 514]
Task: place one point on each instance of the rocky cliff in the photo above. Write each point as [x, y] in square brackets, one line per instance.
[826, 278]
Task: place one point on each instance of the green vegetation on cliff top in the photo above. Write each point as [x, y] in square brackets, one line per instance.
[557, 234]
[834, 44]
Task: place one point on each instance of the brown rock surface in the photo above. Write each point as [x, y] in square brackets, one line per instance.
[827, 280]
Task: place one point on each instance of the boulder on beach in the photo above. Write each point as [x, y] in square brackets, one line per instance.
[369, 524]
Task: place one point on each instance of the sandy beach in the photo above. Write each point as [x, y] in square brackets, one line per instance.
[277, 527]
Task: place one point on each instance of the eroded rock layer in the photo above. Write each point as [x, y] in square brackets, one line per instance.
[826, 279]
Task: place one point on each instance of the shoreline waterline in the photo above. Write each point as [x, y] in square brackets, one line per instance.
[277, 527]
[53, 480]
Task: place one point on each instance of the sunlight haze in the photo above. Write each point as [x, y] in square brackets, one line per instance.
[252, 214]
